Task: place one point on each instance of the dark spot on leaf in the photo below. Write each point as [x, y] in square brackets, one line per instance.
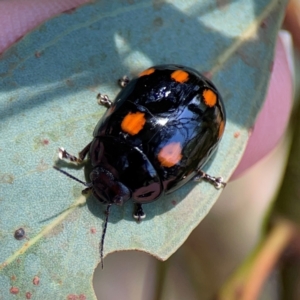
[37, 54]
[45, 142]
[93, 230]
[69, 82]
[82, 297]
[237, 134]
[14, 290]
[28, 295]
[7, 178]
[36, 280]
[174, 202]
[158, 22]
[13, 278]
[19, 234]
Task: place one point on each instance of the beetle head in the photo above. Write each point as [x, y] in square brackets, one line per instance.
[107, 189]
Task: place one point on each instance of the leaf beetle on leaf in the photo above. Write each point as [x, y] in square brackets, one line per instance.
[155, 137]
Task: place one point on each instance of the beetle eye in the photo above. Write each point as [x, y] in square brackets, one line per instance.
[118, 200]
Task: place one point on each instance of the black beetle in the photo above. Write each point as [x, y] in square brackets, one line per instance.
[155, 137]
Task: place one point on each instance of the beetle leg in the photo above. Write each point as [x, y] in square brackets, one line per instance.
[62, 153]
[138, 213]
[216, 181]
[123, 81]
[104, 100]
[82, 154]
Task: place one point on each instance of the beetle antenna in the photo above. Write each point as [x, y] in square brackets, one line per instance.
[103, 233]
[71, 176]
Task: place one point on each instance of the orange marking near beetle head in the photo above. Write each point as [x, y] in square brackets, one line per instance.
[180, 76]
[133, 123]
[147, 72]
[210, 98]
[170, 154]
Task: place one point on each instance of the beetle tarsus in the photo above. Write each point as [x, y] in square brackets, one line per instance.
[63, 154]
[123, 81]
[86, 191]
[104, 100]
[138, 213]
[216, 181]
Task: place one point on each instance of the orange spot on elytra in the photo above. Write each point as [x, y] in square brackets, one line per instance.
[170, 154]
[221, 129]
[147, 72]
[180, 76]
[133, 123]
[210, 98]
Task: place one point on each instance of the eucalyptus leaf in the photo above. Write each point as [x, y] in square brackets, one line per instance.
[48, 88]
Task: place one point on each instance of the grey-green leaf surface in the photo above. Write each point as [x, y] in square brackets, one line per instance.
[48, 88]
